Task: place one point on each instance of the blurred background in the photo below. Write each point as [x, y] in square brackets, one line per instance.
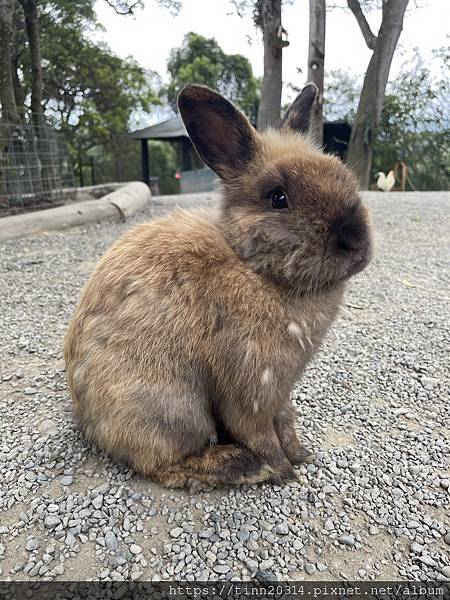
[88, 88]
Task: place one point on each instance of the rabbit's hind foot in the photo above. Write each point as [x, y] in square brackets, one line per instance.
[217, 465]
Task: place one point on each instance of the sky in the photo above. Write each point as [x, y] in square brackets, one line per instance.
[152, 32]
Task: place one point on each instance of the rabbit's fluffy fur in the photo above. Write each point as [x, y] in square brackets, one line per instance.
[194, 327]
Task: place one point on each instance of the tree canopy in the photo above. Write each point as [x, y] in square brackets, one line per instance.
[414, 124]
[202, 60]
[88, 93]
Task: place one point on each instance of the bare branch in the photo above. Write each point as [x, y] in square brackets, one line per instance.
[369, 37]
[122, 8]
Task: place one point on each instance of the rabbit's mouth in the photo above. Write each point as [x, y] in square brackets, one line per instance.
[359, 262]
[354, 264]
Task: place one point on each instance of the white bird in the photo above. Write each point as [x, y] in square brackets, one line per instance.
[385, 183]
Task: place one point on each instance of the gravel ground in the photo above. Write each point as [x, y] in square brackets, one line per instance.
[374, 406]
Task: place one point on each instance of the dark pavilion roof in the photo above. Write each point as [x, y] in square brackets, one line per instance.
[171, 129]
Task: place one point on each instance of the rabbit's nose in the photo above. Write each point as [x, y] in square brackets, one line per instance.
[349, 230]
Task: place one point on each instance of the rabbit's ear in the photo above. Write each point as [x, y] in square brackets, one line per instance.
[221, 134]
[298, 114]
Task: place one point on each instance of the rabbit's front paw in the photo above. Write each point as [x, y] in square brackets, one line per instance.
[299, 455]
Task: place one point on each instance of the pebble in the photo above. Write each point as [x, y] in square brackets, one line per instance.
[32, 544]
[98, 502]
[413, 524]
[282, 529]
[51, 522]
[48, 427]
[135, 549]
[347, 540]
[111, 540]
[263, 576]
[430, 382]
[221, 569]
[176, 532]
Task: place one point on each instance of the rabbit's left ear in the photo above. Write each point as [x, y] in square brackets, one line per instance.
[298, 114]
[220, 133]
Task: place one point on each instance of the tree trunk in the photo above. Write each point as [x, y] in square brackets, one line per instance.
[359, 154]
[268, 17]
[32, 27]
[47, 179]
[10, 115]
[7, 97]
[316, 60]
[18, 40]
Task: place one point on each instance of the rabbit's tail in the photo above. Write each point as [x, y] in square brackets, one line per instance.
[217, 465]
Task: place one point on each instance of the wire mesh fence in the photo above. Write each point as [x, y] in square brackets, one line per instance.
[34, 167]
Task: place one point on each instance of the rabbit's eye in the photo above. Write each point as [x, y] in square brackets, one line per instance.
[279, 199]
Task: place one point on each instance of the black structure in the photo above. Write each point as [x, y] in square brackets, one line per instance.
[171, 130]
[336, 135]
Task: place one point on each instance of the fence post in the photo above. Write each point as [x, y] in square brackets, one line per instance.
[80, 168]
[92, 170]
[145, 162]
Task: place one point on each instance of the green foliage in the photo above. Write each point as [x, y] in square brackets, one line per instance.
[414, 126]
[163, 163]
[89, 92]
[341, 95]
[90, 95]
[202, 60]
[122, 162]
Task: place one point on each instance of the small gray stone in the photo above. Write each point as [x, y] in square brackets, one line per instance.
[204, 533]
[243, 535]
[412, 524]
[51, 521]
[135, 549]
[446, 571]
[32, 544]
[221, 569]
[48, 427]
[428, 382]
[282, 529]
[176, 532]
[98, 502]
[362, 573]
[347, 540]
[447, 538]
[265, 576]
[310, 568]
[67, 480]
[19, 566]
[251, 564]
[111, 540]
[59, 569]
[427, 560]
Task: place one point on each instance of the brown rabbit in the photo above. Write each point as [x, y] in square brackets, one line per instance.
[194, 327]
